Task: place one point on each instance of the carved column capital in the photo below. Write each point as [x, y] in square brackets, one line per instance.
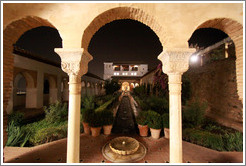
[74, 61]
[175, 60]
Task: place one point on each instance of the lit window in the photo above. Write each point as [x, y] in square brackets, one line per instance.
[117, 73]
[114, 73]
[123, 74]
[135, 74]
[126, 73]
[116, 68]
[131, 73]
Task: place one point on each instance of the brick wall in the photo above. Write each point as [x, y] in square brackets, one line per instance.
[122, 13]
[216, 84]
[235, 31]
[11, 34]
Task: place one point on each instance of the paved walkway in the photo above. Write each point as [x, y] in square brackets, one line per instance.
[124, 120]
[90, 152]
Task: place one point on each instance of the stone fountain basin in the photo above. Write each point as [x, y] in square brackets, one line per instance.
[124, 145]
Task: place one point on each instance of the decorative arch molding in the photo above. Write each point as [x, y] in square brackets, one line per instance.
[120, 13]
[88, 85]
[11, 34]
[83, 84]
[30, 83]
[235, 31]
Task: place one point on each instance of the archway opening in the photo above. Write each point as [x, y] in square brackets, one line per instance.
[212, 76]
[125, 86]
[128, 43]
[46, 92]
[19, 92]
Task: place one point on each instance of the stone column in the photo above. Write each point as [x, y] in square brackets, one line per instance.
[174, 63]
[75, 63]
[59, 83]
[53, 95]
[31, 98]
[40, 89]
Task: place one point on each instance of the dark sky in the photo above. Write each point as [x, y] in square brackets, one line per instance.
[41, 41]
[124, 40]
[121, 40]
[205, 37]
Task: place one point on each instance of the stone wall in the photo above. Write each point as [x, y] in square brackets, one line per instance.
[215, 83]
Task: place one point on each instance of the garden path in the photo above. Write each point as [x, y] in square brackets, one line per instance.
[124, 121]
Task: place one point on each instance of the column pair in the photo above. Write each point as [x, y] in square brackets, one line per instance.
[75, 63]
[174, 63]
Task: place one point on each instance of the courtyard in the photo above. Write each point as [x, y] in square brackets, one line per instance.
[123, 82]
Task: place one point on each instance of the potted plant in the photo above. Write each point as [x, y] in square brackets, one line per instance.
[107, 121]
[155, 124]
[95, 123]
[85, 117]
[142, 122]
[165, 120]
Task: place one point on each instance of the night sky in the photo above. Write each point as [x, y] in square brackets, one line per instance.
[121, 40]
[124, 40]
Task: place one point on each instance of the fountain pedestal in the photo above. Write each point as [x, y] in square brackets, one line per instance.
[124, 150]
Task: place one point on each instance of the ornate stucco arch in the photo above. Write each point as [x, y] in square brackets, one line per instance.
[235, 31]
[120, 13]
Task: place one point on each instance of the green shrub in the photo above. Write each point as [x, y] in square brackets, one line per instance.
[17, 136]
[154, 120]
[49, 134]
[56, 112]
[95, 119]
[158, 104]
[37, 128]
[105, 105]
[165, 120]
[16, 118]
[155, 103]
[143, 104]
[233, 141]
[88, 102]
[86, 114]
[111, 86]
[204, 138]
[193, 114]
[107, 117]
[142, 118]
[140, 90]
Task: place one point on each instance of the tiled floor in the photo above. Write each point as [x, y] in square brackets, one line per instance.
[90, 152]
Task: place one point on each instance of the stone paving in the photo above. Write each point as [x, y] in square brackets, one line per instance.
[91, 147]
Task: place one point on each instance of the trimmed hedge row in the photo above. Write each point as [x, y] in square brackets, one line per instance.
[226, 142]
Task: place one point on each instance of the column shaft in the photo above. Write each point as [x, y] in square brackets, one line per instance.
[175, 117]
[40, 88]
[73, 139]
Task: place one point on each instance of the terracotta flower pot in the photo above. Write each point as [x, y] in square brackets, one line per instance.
[143, 130]
[95, 131]
[155, 133]
[166, 132]
[86, 128]
[107, 129]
